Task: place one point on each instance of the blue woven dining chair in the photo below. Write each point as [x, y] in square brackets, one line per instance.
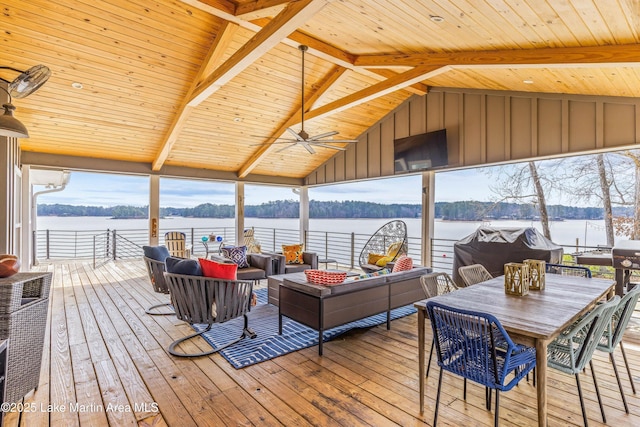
[475, 346]
[612, 336]
[568, 270]
[574, 347]
[435, 284]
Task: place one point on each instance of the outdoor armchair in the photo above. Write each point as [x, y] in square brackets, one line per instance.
[384, 246]
[156, 271]
[260, 266]
[176, 242]
[310, 261]
[204, 300]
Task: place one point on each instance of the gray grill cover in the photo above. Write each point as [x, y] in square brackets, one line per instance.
[494, 247]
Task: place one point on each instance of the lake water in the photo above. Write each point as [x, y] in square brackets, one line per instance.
[589, 233]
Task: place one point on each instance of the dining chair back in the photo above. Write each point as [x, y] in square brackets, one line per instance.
[437, 284]
[568, 270]
[574, 347]
[612, 336]
[474, 273]
[475, 346]
[176, 242]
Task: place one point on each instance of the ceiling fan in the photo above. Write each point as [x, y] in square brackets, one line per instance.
[303, 138]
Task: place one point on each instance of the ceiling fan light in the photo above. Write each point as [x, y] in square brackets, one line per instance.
[10, 126]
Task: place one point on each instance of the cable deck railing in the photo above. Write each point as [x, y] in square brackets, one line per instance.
[344, 248]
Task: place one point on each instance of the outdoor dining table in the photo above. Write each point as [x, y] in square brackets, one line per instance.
[534, 319]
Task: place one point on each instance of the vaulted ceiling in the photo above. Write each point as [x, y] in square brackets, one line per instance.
[209, 84]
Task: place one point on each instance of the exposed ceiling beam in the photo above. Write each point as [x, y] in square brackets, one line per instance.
[547, 57]
[291, 17]
[258, 5]
[329, 81]
[224, 6]
[317, 47]
[416, 88]
[213, 58]
[377, 90]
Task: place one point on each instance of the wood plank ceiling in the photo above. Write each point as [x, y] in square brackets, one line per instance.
[209, 83]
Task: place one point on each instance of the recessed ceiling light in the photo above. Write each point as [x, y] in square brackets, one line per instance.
[528, 81]
[436, 18]
[76, 85]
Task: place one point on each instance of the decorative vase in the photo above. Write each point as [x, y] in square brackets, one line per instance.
[537, 276]
[9, 265]
[516, 278]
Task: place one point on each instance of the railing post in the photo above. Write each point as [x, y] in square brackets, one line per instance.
[274, 240]
[114, 245]
[107, 244]
[94, 251]
[47, 243]
[353, 249]
[34, 247]
[326, 245]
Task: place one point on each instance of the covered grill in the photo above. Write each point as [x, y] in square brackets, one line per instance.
[494, 247]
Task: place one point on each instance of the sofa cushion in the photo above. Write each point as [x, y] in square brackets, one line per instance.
[177, 265]
[251, 273]
[293, 253]
[403, 263]
[159, 253]
[219, 270]
[237, 254]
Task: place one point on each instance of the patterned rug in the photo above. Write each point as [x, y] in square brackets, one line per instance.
[263, 319]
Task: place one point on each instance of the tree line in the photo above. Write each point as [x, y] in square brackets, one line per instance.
[454, 211]
[611, 180]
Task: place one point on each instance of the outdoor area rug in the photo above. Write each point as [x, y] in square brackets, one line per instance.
[263, 319]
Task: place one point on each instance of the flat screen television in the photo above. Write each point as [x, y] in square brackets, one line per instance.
[421, 152]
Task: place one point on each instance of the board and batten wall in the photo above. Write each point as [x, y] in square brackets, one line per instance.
[485, 128]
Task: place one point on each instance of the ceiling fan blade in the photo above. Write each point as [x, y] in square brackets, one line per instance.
[296, 136]
[306, 145]
[341, 141]
[268, 137]
[323, 135]
[287, 141]
[333, 147]
[287, 147]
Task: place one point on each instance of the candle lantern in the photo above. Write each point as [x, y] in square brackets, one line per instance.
[516, 278]
[537, 270]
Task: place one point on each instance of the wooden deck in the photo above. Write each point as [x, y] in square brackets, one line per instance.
[105, 364]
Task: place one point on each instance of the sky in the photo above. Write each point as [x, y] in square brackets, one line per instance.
[99, 189]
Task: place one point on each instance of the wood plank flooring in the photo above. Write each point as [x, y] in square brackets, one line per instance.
[105, 364]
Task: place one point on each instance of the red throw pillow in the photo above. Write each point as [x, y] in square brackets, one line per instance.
[403, 263]
[218, 270]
